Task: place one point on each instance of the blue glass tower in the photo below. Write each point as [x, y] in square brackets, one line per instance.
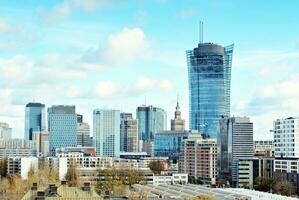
[209, 70]
[34, 119]
[62, 124]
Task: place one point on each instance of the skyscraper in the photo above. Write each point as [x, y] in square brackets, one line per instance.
[34, 119]
[235, 142]
[209, 69]
[106, 132]
[128, 133]
[5, 131]
[83, 134]
[150, 121]
[177, 124]
[62, 124]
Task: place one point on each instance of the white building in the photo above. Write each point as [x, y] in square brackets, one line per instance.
[41, 139]
[172, 179]
[286, 138]
[17, 147]
[106, 132]
[21, 165]
[5, 131]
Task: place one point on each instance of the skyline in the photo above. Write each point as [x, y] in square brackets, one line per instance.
[37, 40]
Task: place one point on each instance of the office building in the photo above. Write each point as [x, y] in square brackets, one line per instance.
[62, 124]
[168, 144]
[35, 119]
[209, 72]
[177, 124]
[286, 138]
[5, 131]
[128, 133]
[235, 142]
[106, 132]
[150, 121]
[41, 139]
[263, 148]
[17, 147]
[83, 134]
[79, 118]
[198, 159]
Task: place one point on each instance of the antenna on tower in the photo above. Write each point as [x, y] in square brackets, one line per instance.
[200, 31]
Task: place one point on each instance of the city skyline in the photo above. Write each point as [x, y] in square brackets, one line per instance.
[45, 56]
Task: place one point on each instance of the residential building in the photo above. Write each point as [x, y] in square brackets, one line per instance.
[17, 147]
[128, 133]
[21, 165]
[199, 159]
[150, 121]
[263, 148]
[177, 124]
[106, 132]
[286, 137]
[168, 144]
[41, 139]
[62, 124]
[35, 119]
[83, 134]
[209, 72]
[5, 131]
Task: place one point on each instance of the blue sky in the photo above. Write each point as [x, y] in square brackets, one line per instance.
[113, 54]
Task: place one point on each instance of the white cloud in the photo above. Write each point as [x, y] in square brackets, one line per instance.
[143, 85]
[121, 48]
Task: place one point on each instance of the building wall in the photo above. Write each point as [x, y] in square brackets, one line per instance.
[106, 124]
[128, 133]
[21, 165]
[62, 122]
[83, 134]
[41, 139]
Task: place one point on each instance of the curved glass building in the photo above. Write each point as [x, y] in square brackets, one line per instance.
[209, 70]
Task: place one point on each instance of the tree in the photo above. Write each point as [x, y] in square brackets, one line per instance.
[32, 176]
[156, 166]
[3, 167]
[264, 183]
[72, 175]
[284, 188]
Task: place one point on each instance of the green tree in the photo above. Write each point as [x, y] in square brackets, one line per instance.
[264, 183]
[284, 188]
[156, 166]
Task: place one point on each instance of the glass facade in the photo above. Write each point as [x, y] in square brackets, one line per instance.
[150, 121]
[168, 144]
[34, 119]
[106, 132]
[209, 70]
[62, 124]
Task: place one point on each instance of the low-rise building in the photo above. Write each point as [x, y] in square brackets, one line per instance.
[21, 165]
[17, 148]
[170, 179]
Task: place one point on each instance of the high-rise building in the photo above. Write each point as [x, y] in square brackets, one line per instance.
[83, 134]
[35, 119]
[177, 124]
[209, 70]
[235, 142]
[41, 139]
[5, 131]
[286, 138]
[128, 133]
[106, 132]
[62, 124]
[198, 158]
[79, 118]
[150, 121]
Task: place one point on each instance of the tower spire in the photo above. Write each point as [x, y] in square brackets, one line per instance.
[200, 31]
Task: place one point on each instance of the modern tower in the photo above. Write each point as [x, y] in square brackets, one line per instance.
[83, 134]
[150, 121]
[106, 132]
[177, 124]
[34, 119]
[209, 70]
[62, 124]
[128, 133]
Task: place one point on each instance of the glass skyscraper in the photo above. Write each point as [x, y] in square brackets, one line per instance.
[34, 119]
[62, 124]
[106, 132]
[209, 70]
[150, 121]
